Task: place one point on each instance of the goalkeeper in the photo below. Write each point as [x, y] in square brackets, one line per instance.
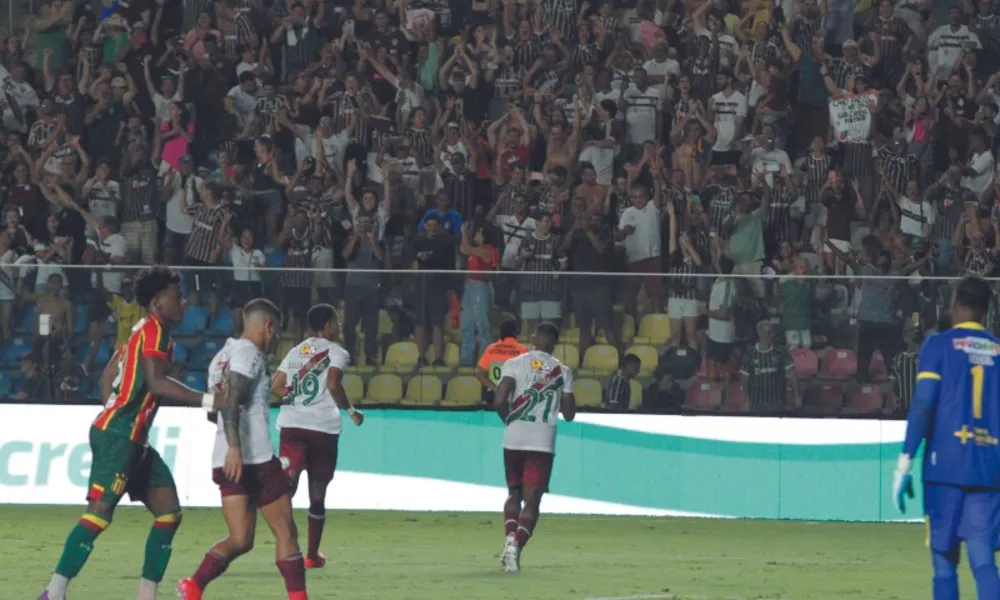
[956, 409]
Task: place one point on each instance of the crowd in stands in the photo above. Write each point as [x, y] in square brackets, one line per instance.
[685, 187]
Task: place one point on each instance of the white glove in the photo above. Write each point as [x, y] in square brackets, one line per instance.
[902, 482]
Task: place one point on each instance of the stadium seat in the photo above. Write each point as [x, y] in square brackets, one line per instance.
[654, 330]
[635, 395]
[736, 400]
[423, 390]
[599, 361]
[100, 359]
[354, 387]
[194, 322]
[877, 369]
[463, 390]
[823, 399]
[867, 399]
[385, 389]
[451, 359]
[203, 353]
[80, 320]
[222, 324]
[649, 357]
[195, 381]
[26, 325]
[180, 352]
[627, 333]
[839, 365]
[588, 393]
[568, 355]
[806, 363]
[570, 335]
[14, 350]
[402, 357]
[703, 396]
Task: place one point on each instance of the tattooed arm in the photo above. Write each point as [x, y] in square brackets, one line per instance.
[235, 395]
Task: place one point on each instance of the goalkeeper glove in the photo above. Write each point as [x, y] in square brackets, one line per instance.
[902, 482]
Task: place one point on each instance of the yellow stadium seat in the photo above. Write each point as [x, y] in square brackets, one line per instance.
[385, 324]
[649, 357]
[402, 357]
[464, 390]
[588, 393]
[568, 354]
[654, 330]
[423, 390]
[626, 334]
[599, 361]
[635, 395]
[354, 387]
[385, 389]
[451, 359]
[570, 336]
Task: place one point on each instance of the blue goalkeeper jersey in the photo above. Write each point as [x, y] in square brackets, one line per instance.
[958, 393]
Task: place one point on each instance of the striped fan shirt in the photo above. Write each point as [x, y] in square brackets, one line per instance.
[989, 23]
[817, 169]
[298, 255]
[619, 393]
[720, 204]
[898, 169]
[343, 105]
[894, 33]
[509, 82]
[140, 196]
[421, 145]
[903, 372]
[269, 107]
[462, 192]
[841, 71]
[560, 14]
[235, 33]
[766, 372]
[680, 278]
[545, 257]
[778, 221]
[205, 232]
[526, 52]
[858, 160]
[805, 28]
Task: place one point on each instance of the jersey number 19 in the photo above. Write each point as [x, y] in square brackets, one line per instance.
[306, 388]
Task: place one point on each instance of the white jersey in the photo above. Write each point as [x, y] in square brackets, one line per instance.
[540, 380]
[310, 405]
[242, 357]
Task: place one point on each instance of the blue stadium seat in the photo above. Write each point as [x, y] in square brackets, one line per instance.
[204, 352]
[27, 323]
[274, 257]
[180, 352]
[194, 322]
[222, 324]
[80, 319]
[100, 359]
[14, 350]
[195, 381]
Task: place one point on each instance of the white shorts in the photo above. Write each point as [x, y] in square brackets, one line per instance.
[542, 309]
[842, 245]
[682, 308]
[799, 339]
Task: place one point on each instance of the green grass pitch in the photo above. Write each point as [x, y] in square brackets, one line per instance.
[446, 556]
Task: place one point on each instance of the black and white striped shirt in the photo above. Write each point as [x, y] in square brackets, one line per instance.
[205, 232]
[817, 169]
[766, 372]
[526, 52]
[898, 169]
[720, 204]
[841, 71]
[545, 257]
[140, 196]
[903, 372]
[560, 14]
[421, 145]
[778, 221]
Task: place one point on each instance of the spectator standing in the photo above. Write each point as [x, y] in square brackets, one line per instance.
[766, 372]
[210, 219]
[540, 258]
[746, 240]
[435, 250]
[589, 245]
[364, 257]
[721, 322]
[140, 208]
[639, 228]
[477, 300]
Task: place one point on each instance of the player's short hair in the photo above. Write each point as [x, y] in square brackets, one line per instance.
[509, 328]
[974, 293]
[548, 331]
[319, 315]
[263, 307]
[152, 281]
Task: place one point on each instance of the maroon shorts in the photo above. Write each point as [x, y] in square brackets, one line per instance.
[647, 271]
[311, 451]
[263, 483]
[528, 468]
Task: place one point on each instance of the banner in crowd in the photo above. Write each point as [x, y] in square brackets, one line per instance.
[851, 116]
[819, 469]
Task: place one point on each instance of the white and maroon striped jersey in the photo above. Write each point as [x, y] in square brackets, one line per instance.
[540, 380]
[307, 403]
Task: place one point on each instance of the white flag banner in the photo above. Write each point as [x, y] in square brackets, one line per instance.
[851, 116]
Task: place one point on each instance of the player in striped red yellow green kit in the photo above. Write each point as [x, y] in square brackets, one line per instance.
[122, 461]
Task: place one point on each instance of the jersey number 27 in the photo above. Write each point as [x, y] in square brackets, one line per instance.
[536, 398]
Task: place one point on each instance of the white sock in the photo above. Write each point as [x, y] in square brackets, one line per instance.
[147, 590]
[57, 587]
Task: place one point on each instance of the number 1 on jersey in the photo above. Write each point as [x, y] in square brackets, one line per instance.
[977, 391]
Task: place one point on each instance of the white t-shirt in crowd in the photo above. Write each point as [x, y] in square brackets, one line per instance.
[640, 116]
[914, 215]
[114, 246]
[245, 263]
[645, 240]
[665, 68]
[178, 220]
[540, 381]
[722, 294]
[514, 233]
[984, 165]
[243, 357]
[727, 109]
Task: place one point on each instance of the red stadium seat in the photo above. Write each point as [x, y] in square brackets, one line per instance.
[867, 399]
[839, 365]
[877, 369]
[736, 400]
[703, 396]
[823, 399]
[806, 363]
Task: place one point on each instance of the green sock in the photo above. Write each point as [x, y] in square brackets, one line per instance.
[78, 546]
[159, 546]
